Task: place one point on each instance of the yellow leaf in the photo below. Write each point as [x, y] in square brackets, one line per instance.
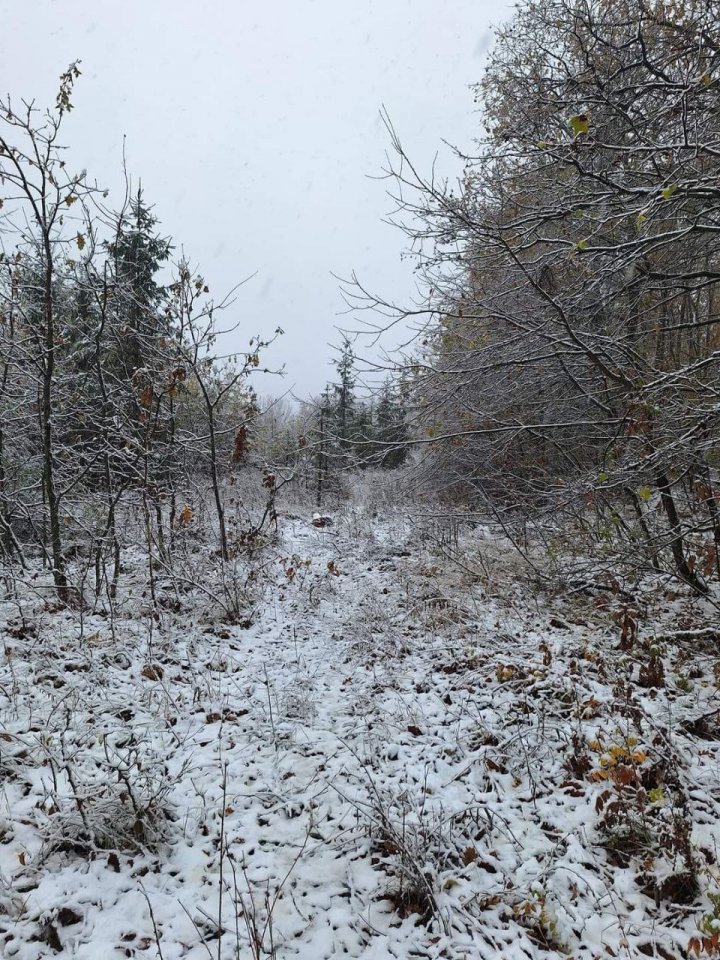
[579, 123]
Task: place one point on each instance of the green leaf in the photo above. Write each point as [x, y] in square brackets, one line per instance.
[645, 493]
[667, 192]
[603, 477]
[656, 796]
[581, 245]
[579, 123]
[640, 220]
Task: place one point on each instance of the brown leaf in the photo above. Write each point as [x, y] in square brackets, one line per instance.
[624, 775]
[469, 855]
[67, 917]
[152, 671]
[241, 444]
[51, 937]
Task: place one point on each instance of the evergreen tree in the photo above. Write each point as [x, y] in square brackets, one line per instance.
[139, 253]
[344, 390]
[390, 427]
[139, 353]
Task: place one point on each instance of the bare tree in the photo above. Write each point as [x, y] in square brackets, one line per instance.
[194, 314]
[569, 313]
[40, 192]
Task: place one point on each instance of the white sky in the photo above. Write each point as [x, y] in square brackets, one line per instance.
[255, 130]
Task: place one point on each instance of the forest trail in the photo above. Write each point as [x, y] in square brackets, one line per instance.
[395, 749]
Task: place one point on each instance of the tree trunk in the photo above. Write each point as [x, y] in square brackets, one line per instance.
[53, 500]
[676, 543]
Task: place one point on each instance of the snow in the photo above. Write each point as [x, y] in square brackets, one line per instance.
[386, 721]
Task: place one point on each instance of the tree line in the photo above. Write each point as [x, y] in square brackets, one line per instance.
[111, 385]
[114, 393]
[565, 371]
[566, 366]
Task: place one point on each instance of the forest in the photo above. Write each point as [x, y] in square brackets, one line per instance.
[424, 663]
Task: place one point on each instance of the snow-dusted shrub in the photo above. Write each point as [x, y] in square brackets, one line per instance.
[106, 784]
[644, 817]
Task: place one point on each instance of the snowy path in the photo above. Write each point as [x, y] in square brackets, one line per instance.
[383, 750]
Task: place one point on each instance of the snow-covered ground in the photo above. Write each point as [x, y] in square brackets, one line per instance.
[397, 757]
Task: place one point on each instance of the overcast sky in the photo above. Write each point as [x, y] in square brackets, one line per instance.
[255, 129]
